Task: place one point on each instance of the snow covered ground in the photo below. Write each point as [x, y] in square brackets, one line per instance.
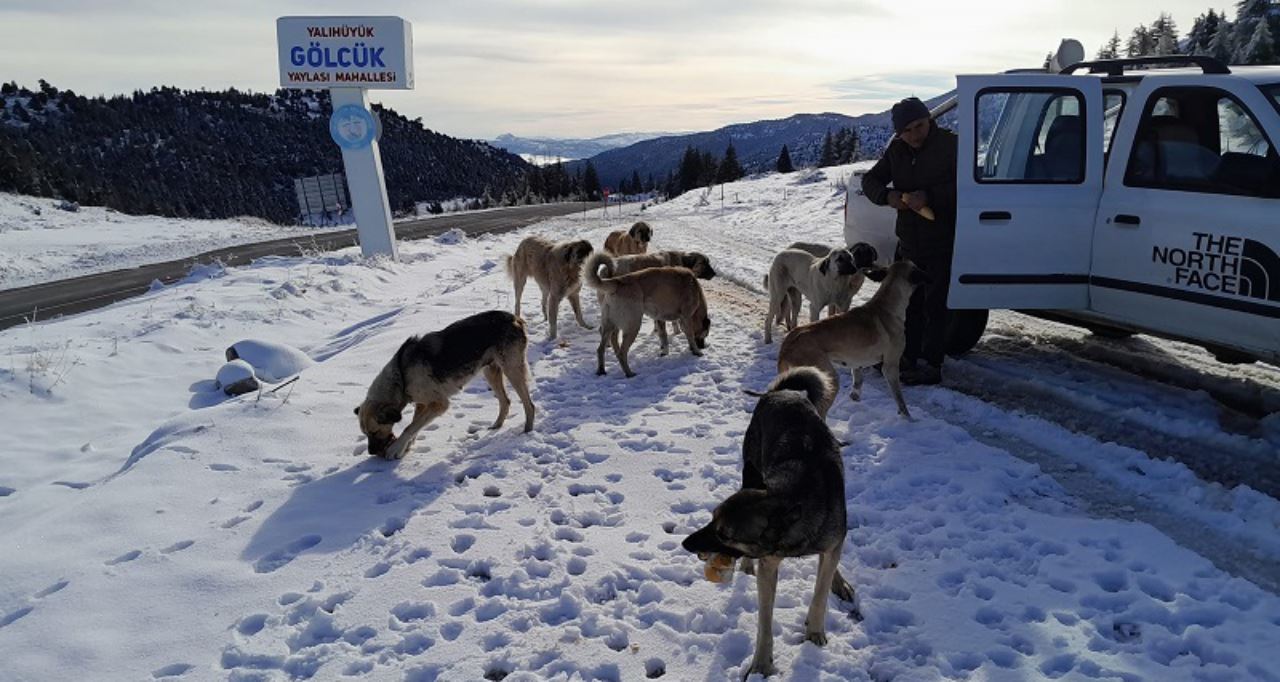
[1036, 521]
[40, 242]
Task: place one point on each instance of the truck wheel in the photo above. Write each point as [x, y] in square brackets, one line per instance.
[964, 329]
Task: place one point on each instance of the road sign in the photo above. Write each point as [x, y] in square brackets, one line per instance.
[350, 55]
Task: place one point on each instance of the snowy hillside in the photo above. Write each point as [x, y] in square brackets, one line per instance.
[1031, 523]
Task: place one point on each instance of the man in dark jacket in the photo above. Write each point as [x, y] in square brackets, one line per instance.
[917, 177]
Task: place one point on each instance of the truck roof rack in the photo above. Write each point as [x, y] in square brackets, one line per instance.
[1116, 67]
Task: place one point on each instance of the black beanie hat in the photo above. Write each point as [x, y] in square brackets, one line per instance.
[906, 111]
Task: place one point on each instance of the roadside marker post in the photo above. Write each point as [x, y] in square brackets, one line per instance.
[349, 56]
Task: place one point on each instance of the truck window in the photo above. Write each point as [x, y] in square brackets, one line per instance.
[1037, 138]
[1112, 107]
[1198, 139]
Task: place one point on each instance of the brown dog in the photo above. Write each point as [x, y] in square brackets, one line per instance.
[633, 241]
[557, 270]
[666, 294]
[696, 262]
[866, 335]
[428, 370]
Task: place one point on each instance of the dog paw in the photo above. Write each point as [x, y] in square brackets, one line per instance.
[843, 591]
[855, 397]
[817, 637]
[631, 375]
[765, 669]
[600, 372]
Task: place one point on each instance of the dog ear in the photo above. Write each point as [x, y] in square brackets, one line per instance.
[389, 415]
[877, 274]
[825, 265]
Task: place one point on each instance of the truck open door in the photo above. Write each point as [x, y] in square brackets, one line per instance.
[1029, 178]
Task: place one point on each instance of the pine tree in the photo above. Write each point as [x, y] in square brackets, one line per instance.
[784, 161]
[1139, 44]
[1112, 49]
[1221, 45]
[1202, 31]
[849, 152]
[730, 169]
[1261, 47]
[690, 170]
[1164, 35]
[710, 167]
[591, 182]
[1249, 13]
[828, 156]
[636, 187]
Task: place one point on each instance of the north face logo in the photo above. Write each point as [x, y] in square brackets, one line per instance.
[1222, 264]
[1259, 271]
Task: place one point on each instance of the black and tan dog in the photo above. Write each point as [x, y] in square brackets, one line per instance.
[792, 503]
[557, 270]
[633, 241]
[872, 333]
[829, 280]
[864, 256]
[666, 294]
[430, 369]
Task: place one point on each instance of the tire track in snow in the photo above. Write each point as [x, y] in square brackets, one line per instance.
[1106, 499]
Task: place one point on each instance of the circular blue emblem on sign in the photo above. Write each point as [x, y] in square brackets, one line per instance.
[352, 127]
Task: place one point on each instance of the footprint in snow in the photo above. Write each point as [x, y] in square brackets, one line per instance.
[123, 558]
[282, 556]
[177, 546]
[56, 587]
[171, 670]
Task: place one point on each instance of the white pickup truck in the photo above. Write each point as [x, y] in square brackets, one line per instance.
[1130, 195]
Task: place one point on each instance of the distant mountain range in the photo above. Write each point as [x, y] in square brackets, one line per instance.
[757, 144]
[542, 150]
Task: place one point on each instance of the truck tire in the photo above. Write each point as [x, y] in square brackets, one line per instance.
[964, 329]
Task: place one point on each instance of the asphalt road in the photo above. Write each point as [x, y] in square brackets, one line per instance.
[79, 294]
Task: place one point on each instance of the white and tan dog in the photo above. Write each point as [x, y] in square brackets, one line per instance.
[831, 280]
[557, 269]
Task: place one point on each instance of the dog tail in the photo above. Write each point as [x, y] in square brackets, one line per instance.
[813, 383]
[591, 272]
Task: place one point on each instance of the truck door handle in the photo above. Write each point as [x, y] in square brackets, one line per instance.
[1126, 219]
[995, 215]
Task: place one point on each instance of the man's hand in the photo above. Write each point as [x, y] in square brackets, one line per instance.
[915, 200]
[894, 199]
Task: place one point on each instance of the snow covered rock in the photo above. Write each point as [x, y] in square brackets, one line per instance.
[236, 377]
[68, 206]
[454, 236]
[272, 362]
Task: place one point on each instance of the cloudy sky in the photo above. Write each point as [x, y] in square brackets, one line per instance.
[570, 68]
